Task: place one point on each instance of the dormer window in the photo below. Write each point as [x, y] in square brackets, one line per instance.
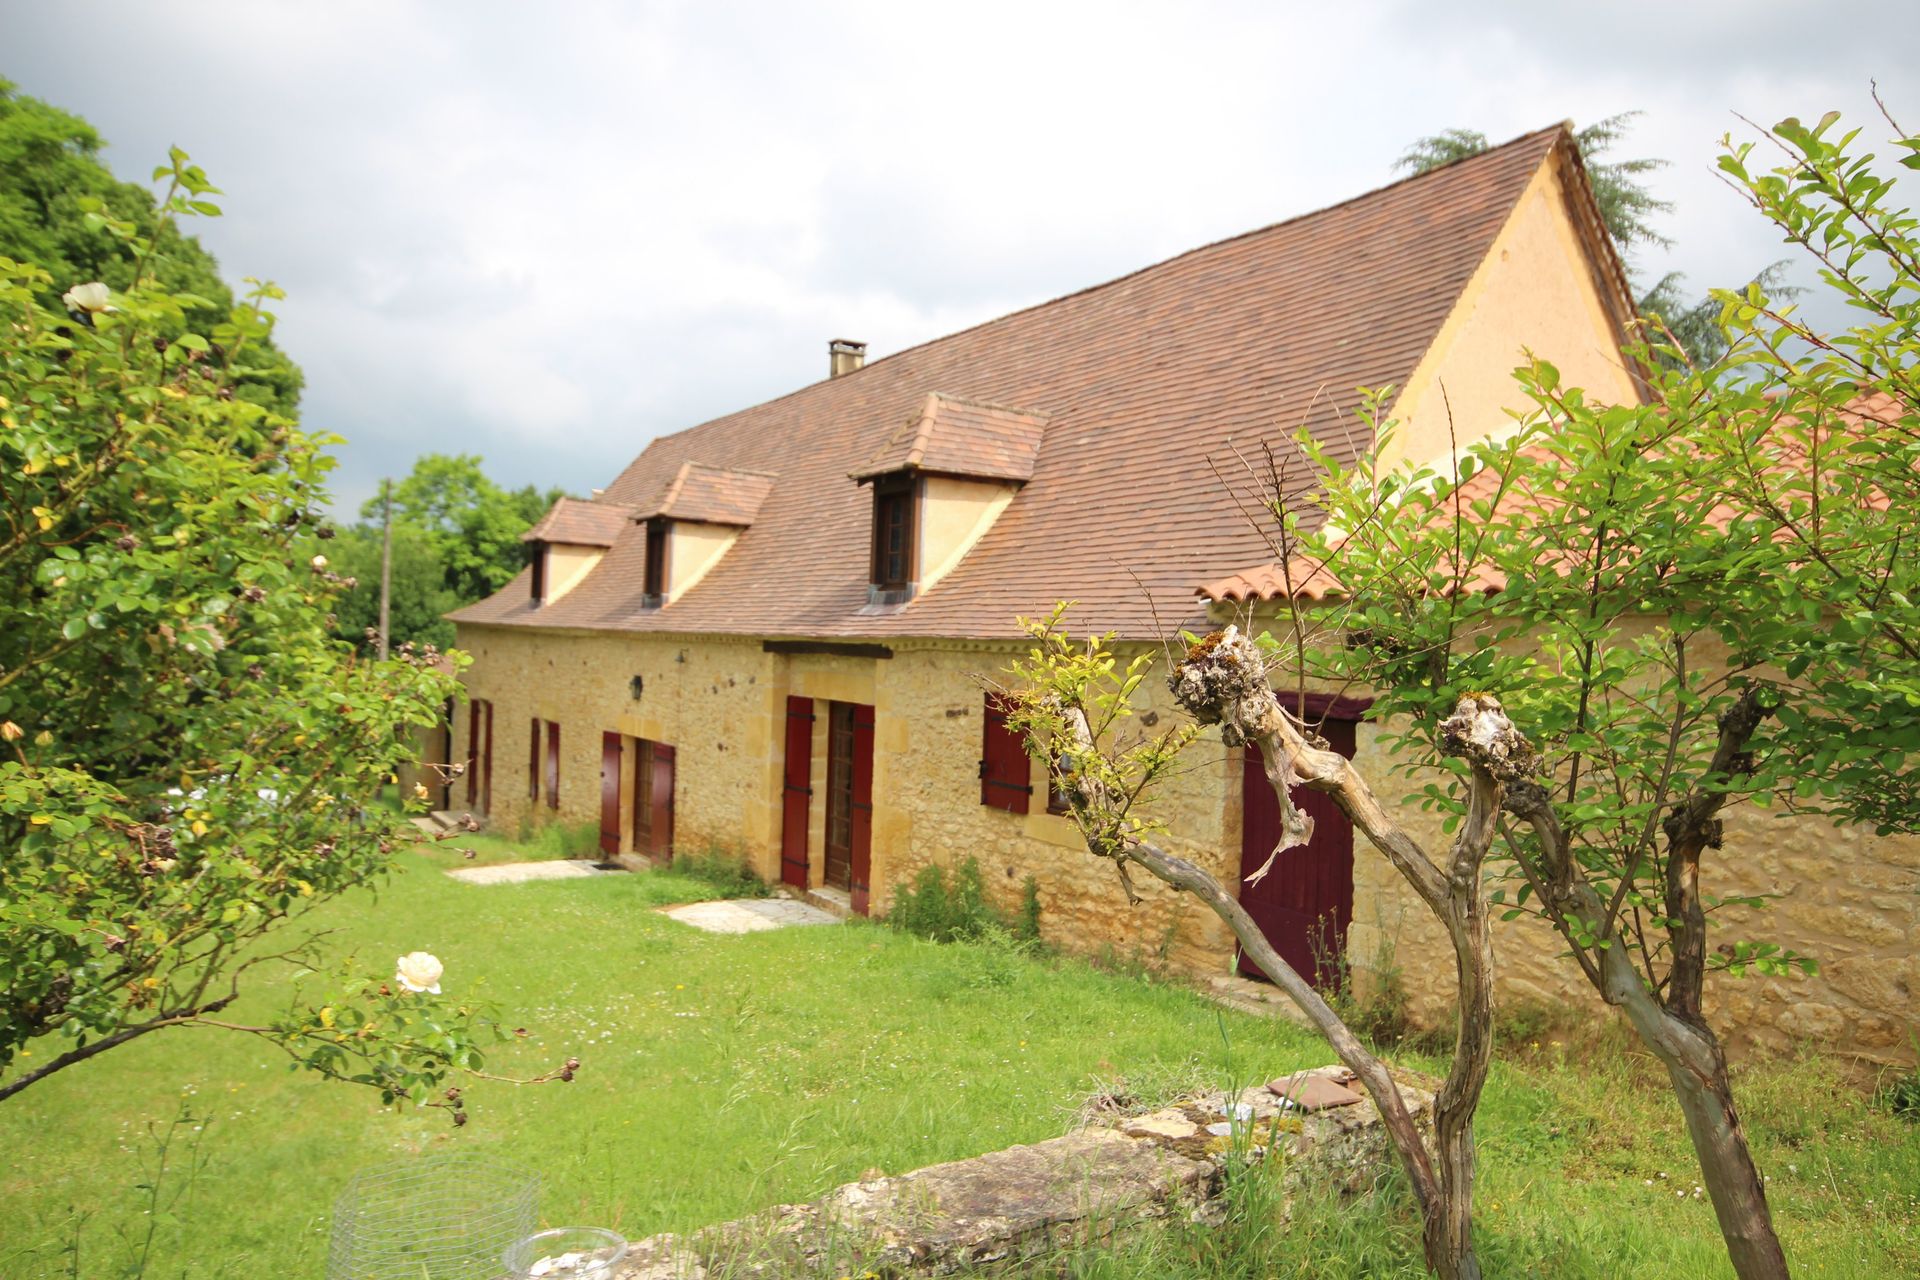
[567, 543]
[538, 562]
[939, 482]
[895, 508]
[654, 593]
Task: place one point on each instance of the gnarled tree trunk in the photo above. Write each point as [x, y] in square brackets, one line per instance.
[1224, 682]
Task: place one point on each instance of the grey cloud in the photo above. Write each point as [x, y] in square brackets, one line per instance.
[548, 233]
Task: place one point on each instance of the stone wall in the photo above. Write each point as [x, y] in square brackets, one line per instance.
[1847, 897]
[1851, 899]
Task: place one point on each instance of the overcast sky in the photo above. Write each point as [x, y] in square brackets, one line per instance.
[545, 233]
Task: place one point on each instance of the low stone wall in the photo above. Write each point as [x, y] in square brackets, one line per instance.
[1029, 1201]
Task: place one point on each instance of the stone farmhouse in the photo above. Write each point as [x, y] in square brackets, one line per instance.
[765, 636]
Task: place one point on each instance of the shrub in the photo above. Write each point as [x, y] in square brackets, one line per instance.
[947, 905]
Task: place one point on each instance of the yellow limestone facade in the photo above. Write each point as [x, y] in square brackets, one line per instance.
[721, 702]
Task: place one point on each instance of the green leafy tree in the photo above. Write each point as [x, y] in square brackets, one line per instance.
[472, 524]
[1681, 608]
[51, 185]
[1628, 208]
[187, 760]
[419, 599]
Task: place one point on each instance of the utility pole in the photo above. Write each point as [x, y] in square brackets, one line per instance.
[386, 560]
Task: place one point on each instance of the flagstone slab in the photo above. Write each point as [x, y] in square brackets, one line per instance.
[748, 915]
[519, 872]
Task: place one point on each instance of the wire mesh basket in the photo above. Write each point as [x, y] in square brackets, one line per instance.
[448, 1217]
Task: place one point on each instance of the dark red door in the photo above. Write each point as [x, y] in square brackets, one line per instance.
[661, 820]
[553, 765]
[486, 763]
[473, 752]
[860, 851]
[1305, 901]
[839, 861]
[610, 794]
[796, 792]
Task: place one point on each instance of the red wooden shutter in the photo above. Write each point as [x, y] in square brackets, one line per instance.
[662, 802]
[1005, 772]
[486, 763]
[861, 844]
[553, 765]
[796, 792]
[533, 765]
[473, 752]
[610, 794]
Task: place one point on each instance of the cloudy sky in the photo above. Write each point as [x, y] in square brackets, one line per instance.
[545, 233]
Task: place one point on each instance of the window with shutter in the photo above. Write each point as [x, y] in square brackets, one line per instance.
[533, 764]
[1005, 772]
[553, 765]
[654, 591]
[893, 534]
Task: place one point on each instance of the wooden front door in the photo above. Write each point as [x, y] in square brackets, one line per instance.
[643, 797]
[860, 850]
[850, 800]
[610, 744]
[796, 792]
[660, 797]
[1305, 902]
[839, 869]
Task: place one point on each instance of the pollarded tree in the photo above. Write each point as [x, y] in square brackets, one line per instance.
[188, 761]
[1075, 705]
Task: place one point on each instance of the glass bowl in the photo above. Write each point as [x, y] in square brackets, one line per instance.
[566, 1253]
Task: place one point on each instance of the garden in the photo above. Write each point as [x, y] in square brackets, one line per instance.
[723, 1074]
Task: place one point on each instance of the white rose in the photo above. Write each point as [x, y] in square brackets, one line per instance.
[318, 563]
[87, 297]
[419, 971]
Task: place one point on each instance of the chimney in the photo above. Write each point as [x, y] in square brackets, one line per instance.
[845, 355]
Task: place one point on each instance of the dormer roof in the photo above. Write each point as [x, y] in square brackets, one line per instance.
[710, 495]
[581, 524]
[956, 437]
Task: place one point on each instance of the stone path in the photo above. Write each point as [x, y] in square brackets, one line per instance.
[748, 915]
[516, 872]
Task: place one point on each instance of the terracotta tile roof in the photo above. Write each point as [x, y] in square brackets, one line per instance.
[1146, 383]
[957, 437]
[1302, 577]
[581, 524]
[1312, 581]
[711, 495]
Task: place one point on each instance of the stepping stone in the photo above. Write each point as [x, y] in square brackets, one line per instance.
[748, 915]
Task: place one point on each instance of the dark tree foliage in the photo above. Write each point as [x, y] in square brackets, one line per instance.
[456, 539]
[49, 165]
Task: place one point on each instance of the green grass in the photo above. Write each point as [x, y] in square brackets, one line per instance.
[724, 1074]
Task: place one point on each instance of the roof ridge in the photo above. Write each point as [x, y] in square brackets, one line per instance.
[1562, 127]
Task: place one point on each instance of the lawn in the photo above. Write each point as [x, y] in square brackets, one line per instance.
[726, 1073]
